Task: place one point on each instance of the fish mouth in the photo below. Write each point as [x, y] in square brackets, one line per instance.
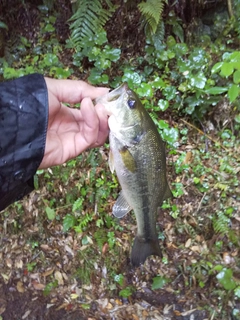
[116, 93]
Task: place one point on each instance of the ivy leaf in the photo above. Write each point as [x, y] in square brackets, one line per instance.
[163, 104]
[170, 135]
[217, 67]
[237, 292]
[169, 92]
[237, 118]
[145, 90]
[233, 92]
[50, 213]
[69, 221]
[159, 282]
[236, 76]
[226, 279]
[198, 81]
[125, 293]
[227, 69]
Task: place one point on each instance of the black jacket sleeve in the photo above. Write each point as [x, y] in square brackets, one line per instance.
[23, 129]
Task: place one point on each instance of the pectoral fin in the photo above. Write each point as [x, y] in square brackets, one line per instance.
[110, 161]
[121, 207]
[128, 159]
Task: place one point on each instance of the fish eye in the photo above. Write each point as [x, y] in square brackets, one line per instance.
[131, 103]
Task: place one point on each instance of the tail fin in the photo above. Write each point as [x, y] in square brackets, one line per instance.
[143, 249]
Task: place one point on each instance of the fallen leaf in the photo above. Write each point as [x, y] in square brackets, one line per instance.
[47, 272]
[9, 263]
[196, 249]
[20, 287]
[18, 264]
[37, 285]
[188, 243]
[45, 247]
[58, 276]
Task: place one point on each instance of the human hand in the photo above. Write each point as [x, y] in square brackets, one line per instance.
[70, 130]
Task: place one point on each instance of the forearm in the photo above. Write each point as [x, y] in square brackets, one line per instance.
[23, 128]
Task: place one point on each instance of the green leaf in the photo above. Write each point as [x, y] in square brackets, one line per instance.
[180, 49]
[178, 31]
[234, 56]
[131, 77]
[50, 213]
[158, 83]
[113, 54]
[169, 92]
[233, 92]
[171, 42]
[69, 221]
[217, 67]
[227, 69]
[145, 90]
[159, 282]
[50, 60]
[170, 135]
[236, 77]
[216, 90]
[226, 279]
[49, 28]
[198, 81]
[127, 292]
[237, 292]
[119, 278]
[163, 104]
[163, 124]
[237, 118]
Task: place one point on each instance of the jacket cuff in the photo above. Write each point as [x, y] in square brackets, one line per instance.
[23, 129]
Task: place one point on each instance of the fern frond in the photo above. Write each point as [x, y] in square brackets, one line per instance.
[221, 223]
[89, 18]
[151, 11]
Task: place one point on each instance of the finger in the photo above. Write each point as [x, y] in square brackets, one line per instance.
[90, 126]
[73, 91]
[103, 124]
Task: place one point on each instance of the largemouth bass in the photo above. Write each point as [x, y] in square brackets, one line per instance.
[137, 154]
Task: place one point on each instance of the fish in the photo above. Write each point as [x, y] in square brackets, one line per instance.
[137, 154]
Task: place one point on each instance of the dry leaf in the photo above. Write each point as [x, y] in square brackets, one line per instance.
[196, 249]
[18, 264]
[105, 248]
[20, 287]
[45, 247]
[9, 263]
[188, 243]
[37, 285]
[47, 272]
[188, 157]
[58, 276]
[227, 258]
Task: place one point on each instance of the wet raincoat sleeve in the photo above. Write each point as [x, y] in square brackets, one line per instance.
[23, 129]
